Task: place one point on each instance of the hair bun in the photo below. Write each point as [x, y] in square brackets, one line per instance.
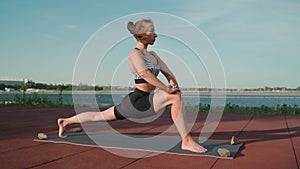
[131, 27]
[140, 27]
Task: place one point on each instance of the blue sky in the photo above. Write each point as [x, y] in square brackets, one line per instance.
[257, 41]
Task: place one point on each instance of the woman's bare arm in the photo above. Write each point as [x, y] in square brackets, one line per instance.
[166, 71]
[137, 63]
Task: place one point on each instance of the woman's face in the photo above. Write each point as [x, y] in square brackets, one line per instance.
[150, 35]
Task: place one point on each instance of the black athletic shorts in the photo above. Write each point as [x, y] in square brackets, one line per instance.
[137, 104]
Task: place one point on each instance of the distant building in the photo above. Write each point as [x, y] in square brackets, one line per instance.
[9, 89]
[31, 90]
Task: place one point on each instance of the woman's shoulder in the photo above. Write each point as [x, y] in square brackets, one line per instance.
[134, 53]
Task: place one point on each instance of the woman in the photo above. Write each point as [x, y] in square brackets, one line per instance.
[143, 102]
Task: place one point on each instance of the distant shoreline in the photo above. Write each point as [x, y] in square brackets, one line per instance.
[184, 91]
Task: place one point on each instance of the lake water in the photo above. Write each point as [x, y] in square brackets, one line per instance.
[249, 100]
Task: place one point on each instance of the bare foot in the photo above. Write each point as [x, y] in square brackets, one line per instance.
[61, 128]
[191, 145]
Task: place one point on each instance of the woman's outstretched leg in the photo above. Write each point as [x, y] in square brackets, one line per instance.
[162, 99]
[106, 115]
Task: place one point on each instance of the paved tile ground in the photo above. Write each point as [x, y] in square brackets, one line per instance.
[271, 142]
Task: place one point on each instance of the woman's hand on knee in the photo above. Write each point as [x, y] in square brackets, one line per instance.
[174, 90]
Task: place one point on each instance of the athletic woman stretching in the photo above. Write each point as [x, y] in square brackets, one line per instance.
[143, 102]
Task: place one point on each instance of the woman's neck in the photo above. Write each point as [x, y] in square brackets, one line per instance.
[142, 46]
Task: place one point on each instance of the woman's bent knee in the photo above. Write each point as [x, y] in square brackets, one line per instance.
[175, 98]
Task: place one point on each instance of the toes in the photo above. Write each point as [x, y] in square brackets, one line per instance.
[197, 149]
[202, 150]
[194, 147]
[63, 136]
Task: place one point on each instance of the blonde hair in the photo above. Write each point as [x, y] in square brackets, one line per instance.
[140, 27]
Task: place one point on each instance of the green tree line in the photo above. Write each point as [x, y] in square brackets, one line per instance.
[44, 86]
[69, 87]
